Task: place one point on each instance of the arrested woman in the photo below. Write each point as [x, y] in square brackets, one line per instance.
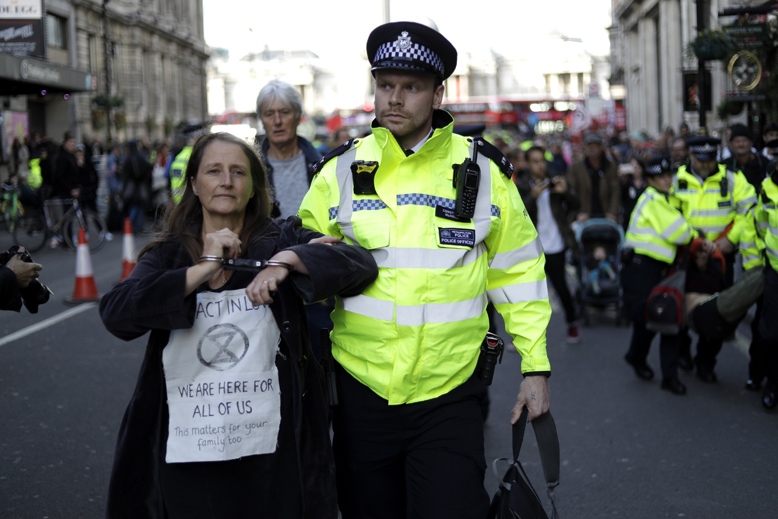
[228, 418]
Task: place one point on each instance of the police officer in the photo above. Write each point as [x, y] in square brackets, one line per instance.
[715, 201]
[655, 231]
[178, 166]
[766, 216]
[408, 430]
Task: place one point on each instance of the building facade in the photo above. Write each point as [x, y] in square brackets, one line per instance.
[654, 70]
[154, 78]
[564, 71]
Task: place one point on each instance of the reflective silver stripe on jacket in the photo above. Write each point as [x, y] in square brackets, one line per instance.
[713, 228]
[346, 187]
[415, 315]
[504, 260]
[710, 212]
[661, 250]
[519, 293]
[420, 258]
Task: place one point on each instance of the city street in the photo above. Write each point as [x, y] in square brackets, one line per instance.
[628, 449]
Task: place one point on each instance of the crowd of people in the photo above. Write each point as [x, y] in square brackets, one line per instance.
[378, 222]
[685, 202]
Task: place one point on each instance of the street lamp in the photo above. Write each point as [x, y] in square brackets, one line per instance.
[107, 64]
[701, 23]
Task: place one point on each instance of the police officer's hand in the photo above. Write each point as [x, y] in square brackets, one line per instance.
[533, 393]
[725, 246]
[582, 217]
[328, 240]
[25, 272]
[709, 246]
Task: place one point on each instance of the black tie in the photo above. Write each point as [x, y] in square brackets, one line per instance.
[408, 153]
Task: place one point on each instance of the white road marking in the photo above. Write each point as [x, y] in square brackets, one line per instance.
[51, 321]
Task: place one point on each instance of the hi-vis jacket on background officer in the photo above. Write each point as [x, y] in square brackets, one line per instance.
[716, 201]
[408, 433]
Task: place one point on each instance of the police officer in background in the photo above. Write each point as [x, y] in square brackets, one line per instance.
[715, 201]
[766, 217]
[408, 430]
[177, 170]
[655, 231]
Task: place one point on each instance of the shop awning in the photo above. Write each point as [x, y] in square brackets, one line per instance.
[21, 75]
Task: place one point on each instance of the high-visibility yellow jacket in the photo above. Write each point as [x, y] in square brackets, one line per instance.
[415, 333]
[178, 173]
[35, 178]
[766, 216]
[751, 243]
[711, 205]
[656, 228]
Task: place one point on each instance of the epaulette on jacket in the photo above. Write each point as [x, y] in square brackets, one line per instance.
[495, 155]
[340, 150]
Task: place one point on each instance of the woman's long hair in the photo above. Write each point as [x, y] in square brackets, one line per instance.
[184, 221]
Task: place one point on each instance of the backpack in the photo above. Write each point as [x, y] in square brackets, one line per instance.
[665, 311]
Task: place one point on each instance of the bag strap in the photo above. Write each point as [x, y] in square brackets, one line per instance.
[548, 445]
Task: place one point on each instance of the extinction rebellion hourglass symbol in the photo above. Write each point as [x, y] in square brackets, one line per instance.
[222, 347]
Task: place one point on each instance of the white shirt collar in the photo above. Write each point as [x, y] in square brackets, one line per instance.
[421, 143]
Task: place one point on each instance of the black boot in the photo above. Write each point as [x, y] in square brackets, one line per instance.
[674, 385]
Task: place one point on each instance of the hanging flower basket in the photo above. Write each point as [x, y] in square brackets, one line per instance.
[712, 45]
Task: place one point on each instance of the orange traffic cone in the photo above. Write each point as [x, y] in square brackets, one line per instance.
[85, 289]
[128, 261]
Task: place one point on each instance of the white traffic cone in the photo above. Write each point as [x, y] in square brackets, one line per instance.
[128, 261]
[85, 289]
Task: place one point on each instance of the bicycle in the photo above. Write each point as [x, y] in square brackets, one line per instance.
[11, 207]
[35, 229]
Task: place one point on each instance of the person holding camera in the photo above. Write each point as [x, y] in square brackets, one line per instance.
[549, 204]
[17, 278]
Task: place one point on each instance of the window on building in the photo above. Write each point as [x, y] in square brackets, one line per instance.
[56, 31]
[93, 53]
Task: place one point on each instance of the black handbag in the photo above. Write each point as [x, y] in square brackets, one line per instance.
[515, 498]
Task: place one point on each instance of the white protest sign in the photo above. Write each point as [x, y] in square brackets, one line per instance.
[222, 382]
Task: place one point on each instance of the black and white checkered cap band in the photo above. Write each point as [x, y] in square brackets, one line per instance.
[706, 148]
[414, 52]
[654, 170]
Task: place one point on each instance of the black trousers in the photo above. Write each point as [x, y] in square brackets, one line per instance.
[768, 328]
[756, 364]
[555, 272]
[639, 277]
[409, 461]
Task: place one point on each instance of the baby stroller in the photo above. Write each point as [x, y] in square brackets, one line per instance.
[599, 246]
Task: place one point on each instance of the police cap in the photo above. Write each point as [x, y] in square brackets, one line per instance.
[658, 166]
[411, 46]
[703, 147]
[196, 129]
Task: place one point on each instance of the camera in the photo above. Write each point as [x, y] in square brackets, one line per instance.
[34, 294]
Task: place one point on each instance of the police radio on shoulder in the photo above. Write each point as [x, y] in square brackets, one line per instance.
[467, 179]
